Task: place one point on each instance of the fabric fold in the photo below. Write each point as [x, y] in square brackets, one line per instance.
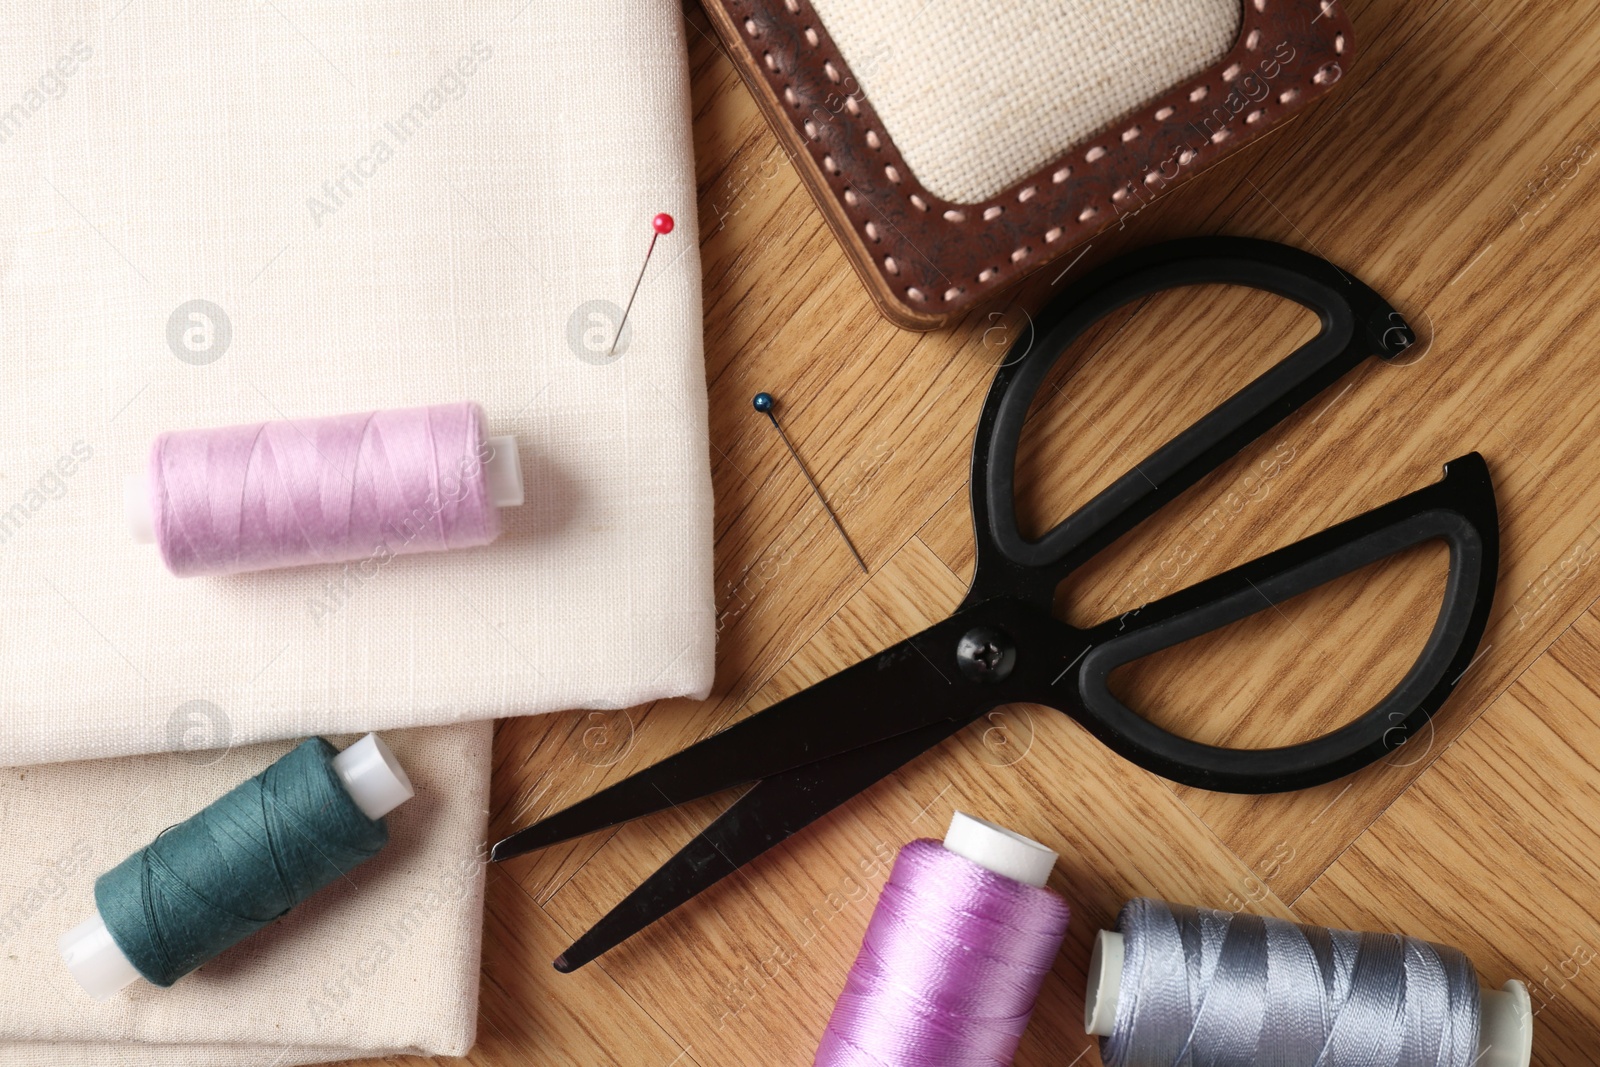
[384, 962]
[241, 212]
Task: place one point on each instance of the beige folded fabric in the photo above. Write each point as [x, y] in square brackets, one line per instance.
[382, 963]
[237, 211]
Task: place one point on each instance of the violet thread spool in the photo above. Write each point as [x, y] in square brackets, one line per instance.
[957, 949]
[337, 489]
[1178, 984]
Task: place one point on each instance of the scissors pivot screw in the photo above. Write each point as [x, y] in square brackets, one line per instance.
[984, 654]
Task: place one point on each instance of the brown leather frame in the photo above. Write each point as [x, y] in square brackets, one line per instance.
[926, 260]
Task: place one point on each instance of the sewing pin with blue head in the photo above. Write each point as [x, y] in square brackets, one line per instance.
[765, 403]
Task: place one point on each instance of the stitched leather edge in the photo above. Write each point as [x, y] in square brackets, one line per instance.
[925, 259]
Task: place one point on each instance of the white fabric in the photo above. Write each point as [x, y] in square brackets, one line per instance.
[979, 96]
[394, 203]
[384, 962]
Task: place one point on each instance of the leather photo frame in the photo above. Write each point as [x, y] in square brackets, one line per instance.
[926, 260]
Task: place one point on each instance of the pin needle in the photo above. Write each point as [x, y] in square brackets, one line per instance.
[661, 224]
[764, 403]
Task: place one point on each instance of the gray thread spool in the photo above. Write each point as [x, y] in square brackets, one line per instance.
[1187, 1004]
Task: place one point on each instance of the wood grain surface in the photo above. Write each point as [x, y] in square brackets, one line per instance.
[1453, 172]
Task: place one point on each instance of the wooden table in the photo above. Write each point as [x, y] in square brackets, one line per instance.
[1452, 172]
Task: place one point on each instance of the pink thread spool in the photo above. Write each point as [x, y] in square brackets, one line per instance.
[962, 938]
[325, 490]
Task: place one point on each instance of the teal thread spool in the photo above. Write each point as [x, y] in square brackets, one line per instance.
[246, 859]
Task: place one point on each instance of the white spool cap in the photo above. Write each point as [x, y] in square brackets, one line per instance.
[94, 959]
[1505, 1035]
[1000, 850]
[1105, 984]
[373, 777]
[502, 474]
[375, 781]
[136, 506]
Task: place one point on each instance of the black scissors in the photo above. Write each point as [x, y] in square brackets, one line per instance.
[813, 751]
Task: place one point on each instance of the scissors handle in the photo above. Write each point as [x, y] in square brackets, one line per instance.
[1459, 510]
[1356, 322]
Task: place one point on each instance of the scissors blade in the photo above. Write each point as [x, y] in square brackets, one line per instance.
[903, 688]
[776, 808]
